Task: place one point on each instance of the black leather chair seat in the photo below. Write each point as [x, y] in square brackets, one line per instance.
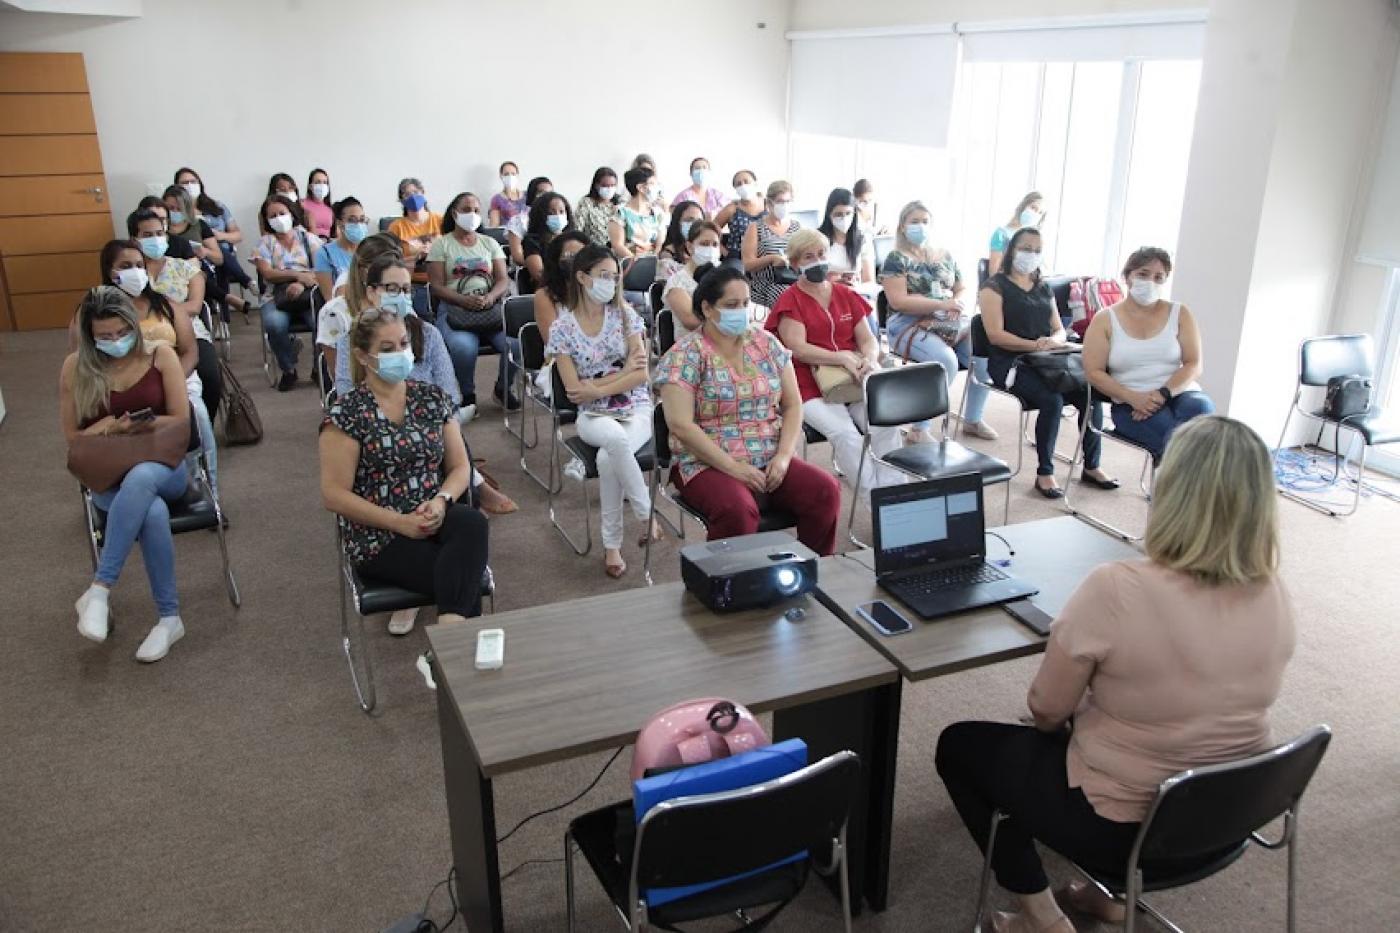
[1160, 876]
[1378, 427]
[945, 458]
[191, 512]
[377, 597]
[812, 435]
[587, 453]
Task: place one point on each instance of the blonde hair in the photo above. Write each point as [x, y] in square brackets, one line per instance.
[1030, 198]
[1214, 512]
[370, 249]
[803, 240]
[90, 385]
[901, 241]
[776, 188]
[362, 332]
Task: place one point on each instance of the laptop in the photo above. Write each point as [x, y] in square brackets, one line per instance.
[930, 547]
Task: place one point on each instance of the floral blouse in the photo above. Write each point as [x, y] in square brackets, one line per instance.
[592, 217]
[925, 279]
[400, 465]
[739, 410]
[600, 355]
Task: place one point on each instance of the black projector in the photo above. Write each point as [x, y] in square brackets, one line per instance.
[749, 571]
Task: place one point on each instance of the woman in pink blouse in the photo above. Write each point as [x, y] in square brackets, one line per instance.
[734, 411]
[1160, 665]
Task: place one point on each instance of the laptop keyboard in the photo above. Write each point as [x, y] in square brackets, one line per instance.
[931, 581]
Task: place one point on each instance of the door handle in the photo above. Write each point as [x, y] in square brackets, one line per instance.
[95, 191]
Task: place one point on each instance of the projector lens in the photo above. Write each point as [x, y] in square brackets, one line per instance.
[787, 580]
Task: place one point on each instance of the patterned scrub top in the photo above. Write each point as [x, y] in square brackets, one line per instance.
[739, 410]
[602, 354]
[400, 465]
[592, 217]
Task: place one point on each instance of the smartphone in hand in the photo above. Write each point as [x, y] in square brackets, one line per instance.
[143, 415]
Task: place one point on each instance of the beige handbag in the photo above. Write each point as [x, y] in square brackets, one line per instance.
[838, 386]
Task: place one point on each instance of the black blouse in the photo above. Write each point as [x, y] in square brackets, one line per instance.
[1026, 314]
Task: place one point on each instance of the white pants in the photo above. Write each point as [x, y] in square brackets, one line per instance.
[844, 427]
[618, 473]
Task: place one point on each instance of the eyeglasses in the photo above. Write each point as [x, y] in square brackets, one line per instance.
[394, 288]
[355, 220]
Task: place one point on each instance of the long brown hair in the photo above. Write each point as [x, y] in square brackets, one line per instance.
[113, 248]
[375, 275]
[90, 385]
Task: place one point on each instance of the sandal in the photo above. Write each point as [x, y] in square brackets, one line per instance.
[1083, 898]
[615, 570]
[503, 508]
[1004, 922]
[655, 534]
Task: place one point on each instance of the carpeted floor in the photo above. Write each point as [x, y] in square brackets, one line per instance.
[235, 785]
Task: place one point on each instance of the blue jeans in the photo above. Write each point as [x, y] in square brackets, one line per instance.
[205, 425]
[277, 324]
[1031, 389]
[137, 509]
[1153, 433]
[927, 347]
[465, 345]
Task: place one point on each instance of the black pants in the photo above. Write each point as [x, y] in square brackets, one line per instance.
[1031, 389]
[1019, 770]
[446, 567]
[210, 375]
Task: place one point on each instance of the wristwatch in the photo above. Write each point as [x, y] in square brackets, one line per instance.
[447, 496]
[1166, 394]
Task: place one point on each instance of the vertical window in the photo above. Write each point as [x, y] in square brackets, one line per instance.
[1163, 120]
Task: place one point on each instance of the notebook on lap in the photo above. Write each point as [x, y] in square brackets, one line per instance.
[930, 547]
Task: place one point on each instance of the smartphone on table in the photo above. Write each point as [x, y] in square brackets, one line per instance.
[884, 617]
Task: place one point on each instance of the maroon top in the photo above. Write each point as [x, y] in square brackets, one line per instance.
[148, 392]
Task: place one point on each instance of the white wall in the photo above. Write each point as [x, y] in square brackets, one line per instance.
[443, 90]
[844, 14]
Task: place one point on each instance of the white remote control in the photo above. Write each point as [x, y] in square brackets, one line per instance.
[490, 649]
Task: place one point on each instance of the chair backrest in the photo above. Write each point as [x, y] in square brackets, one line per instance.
[640, 273]
[808, 219]
[1059, 287]
[496, 233]
[983, 273]
[981, 345]
[654, 296]
[519, 311]
[1321, 358]
[692, 840]
[559, 396]
[384, 223]
[524, 282]
[1207, 809]
[531, 346]
[665, 330]
[884, 245]
[917, 392]
[882, 310]
[660, 439]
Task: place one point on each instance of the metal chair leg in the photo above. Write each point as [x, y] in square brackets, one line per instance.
[984, 884]
[269, 370]
[365, 693]
[1080, 514]
[587, 521]
[845, 880]
[554, 481]
[569, 878]
[855, 495]
[229, 582]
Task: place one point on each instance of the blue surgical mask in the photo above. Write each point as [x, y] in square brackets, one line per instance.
[700, 176]
[401, 304]
[117, 348]
[355, 232]
[394, 367]
[733, 321]
[685, 227]
[917, 233]
[177, 218]
[414, 203]
[154, 247]
[556, 222]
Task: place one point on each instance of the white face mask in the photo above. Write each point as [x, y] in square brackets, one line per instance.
[289, 195]
[744, 191]
[1025, 262]
[1145, 291]
[469, 221]
[706, 255]
[282, 223]
[132, 281]
[193, 187]
[320, 190]
[843, 222]
[510, 182]
[602, 290]
[1029, 217]
[607, 193]
[779, 209]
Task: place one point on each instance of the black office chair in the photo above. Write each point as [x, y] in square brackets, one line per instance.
[656, 301]
[711, 837]
[385, 222]
[1202, 821]
[586, 454]
[371, 596]
[496, 233]
[883, 246]
[269, 361]
[918, 392]
[982, 347]
[524, 282]
[1059, 289]
[215, 317]
[638, 276]
[199, 509]
[533, 361]
[983, 273]
[770, 518]
[1324, 358]
[1146, 479]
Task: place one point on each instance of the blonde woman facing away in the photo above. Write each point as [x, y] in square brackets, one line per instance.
[1164, 664]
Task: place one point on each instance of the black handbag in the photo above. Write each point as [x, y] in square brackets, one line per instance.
[786, 275]
[1347, 397]
[1060, 371]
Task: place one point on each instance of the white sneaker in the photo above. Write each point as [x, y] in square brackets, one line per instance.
[576, 470]
[426, 670]
[401, 622]
[466, 413]
[92, 616]
[157, 644]
[980, 429]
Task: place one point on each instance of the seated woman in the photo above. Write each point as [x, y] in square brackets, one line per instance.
[320, 216]
[826, 326]
[765, 246]
[285, 257]
[702, 248]
[672, 254]
[417, 228]
[734, 411]
[928, 320]
[1020, 316]
[595, 211]
[226, 231]
[552, 297]
[1030, 212]
[333, 258]
[510, 200]
[184, 222]
[1145, 354]
[635, 230]
[868, 207]
[467, 276]
[599, 347]
[110, 377]
[517, 226]
[333, 320]
[549, 217]
[711, 200]
[413, 533]
[284, 186]
[736, 216]
[852, 255]
[1162, 664]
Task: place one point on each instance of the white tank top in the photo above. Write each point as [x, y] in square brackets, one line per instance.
[1143, 365]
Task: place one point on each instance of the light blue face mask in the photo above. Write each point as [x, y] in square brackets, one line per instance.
[401, 304]
[394, 367]
[153, 247]
[177, 218]
[355, 232]
[733, 321]
[556, 222]
[117, 348]
[685, 227]
[917, 233]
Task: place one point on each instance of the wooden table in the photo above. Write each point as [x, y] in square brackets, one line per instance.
[1055, 554]
[585, 675]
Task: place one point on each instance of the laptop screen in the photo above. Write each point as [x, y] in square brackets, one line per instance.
[919, 524]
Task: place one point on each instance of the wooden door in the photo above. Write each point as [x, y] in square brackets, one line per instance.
[54, 215]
